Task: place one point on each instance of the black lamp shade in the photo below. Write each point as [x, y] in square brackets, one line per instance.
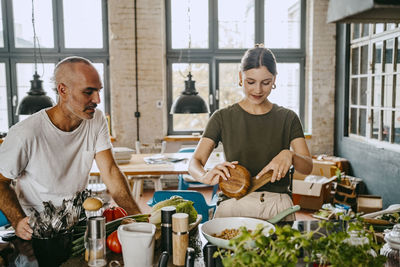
[36, 98]
[189, 104]
[189, 101]
[33, 103]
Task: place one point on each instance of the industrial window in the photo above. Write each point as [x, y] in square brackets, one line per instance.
[63, 28]
[374, 79]
[209, 37]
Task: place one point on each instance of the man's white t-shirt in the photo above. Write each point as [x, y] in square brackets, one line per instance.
[50, 164]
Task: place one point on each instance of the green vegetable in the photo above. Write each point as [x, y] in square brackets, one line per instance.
[182, 205]
[78, 246]
[172, 201]
[187, 207]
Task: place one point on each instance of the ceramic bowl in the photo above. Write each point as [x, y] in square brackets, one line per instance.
[217, 225]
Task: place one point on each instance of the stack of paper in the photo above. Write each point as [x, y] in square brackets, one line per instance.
[122, 155]
[161, 159]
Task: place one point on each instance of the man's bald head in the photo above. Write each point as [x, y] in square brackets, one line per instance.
[66, 68]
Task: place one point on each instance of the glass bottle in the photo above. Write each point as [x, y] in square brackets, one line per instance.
[391, 249]
[97, 241]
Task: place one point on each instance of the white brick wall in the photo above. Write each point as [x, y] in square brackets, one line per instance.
[151, 70]
[320, 77]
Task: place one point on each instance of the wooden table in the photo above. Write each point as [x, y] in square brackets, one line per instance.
[137, 165]
[137, 169]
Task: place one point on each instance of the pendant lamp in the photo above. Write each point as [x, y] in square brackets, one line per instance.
[36, 98]
[189, 101]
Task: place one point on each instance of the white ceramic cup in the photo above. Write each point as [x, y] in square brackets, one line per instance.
[137, 241]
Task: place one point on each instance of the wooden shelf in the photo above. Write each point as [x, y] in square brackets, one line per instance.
[182, 138]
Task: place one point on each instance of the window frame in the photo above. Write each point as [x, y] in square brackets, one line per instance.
[370, 41]
[215, 56]
[11, 55]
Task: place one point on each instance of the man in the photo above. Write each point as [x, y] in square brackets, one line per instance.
[50, 154]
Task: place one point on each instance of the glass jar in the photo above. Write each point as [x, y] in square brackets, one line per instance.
[391, 249]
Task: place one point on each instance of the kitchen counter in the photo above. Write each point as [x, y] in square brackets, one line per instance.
[20, 252]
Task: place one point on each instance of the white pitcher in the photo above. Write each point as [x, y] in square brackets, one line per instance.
[137, 241]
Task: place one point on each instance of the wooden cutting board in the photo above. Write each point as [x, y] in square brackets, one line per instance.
[241, 183]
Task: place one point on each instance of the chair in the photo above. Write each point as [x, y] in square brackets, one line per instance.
[186, 181]
[3, 219]
[199, 202]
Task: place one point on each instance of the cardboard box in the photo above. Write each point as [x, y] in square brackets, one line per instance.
[312, 195]
[322, 168]
[342, 163]
[369, 203]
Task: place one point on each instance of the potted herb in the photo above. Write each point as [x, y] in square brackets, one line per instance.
[356, 246]
[326, 246]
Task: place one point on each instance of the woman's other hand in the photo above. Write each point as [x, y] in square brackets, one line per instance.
[220, 170]
[280, 165]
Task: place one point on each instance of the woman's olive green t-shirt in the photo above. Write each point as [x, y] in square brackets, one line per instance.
[254, 140]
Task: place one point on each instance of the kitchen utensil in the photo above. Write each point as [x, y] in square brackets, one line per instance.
[189, 259]
[137, 241]
[163, 262]
[208, 254]
[278, 217]
[241, 183]
[216, 226]
[180, 237]
[377, 221]
[52, 251]
[166, 228]
[96, 239]
[390, 209]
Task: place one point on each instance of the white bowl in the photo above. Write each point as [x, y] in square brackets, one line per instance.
[216, 226]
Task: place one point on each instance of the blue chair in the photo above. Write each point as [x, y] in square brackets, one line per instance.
[185, 184]
[199, 202]
[3, 219]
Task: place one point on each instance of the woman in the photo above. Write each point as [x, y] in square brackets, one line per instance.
[258, 135]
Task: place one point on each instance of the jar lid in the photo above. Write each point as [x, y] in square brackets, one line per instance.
[393, 237]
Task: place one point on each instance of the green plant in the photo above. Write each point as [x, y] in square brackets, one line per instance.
[327, 245]
[338, 174]
[357, 246]
[255, 249]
